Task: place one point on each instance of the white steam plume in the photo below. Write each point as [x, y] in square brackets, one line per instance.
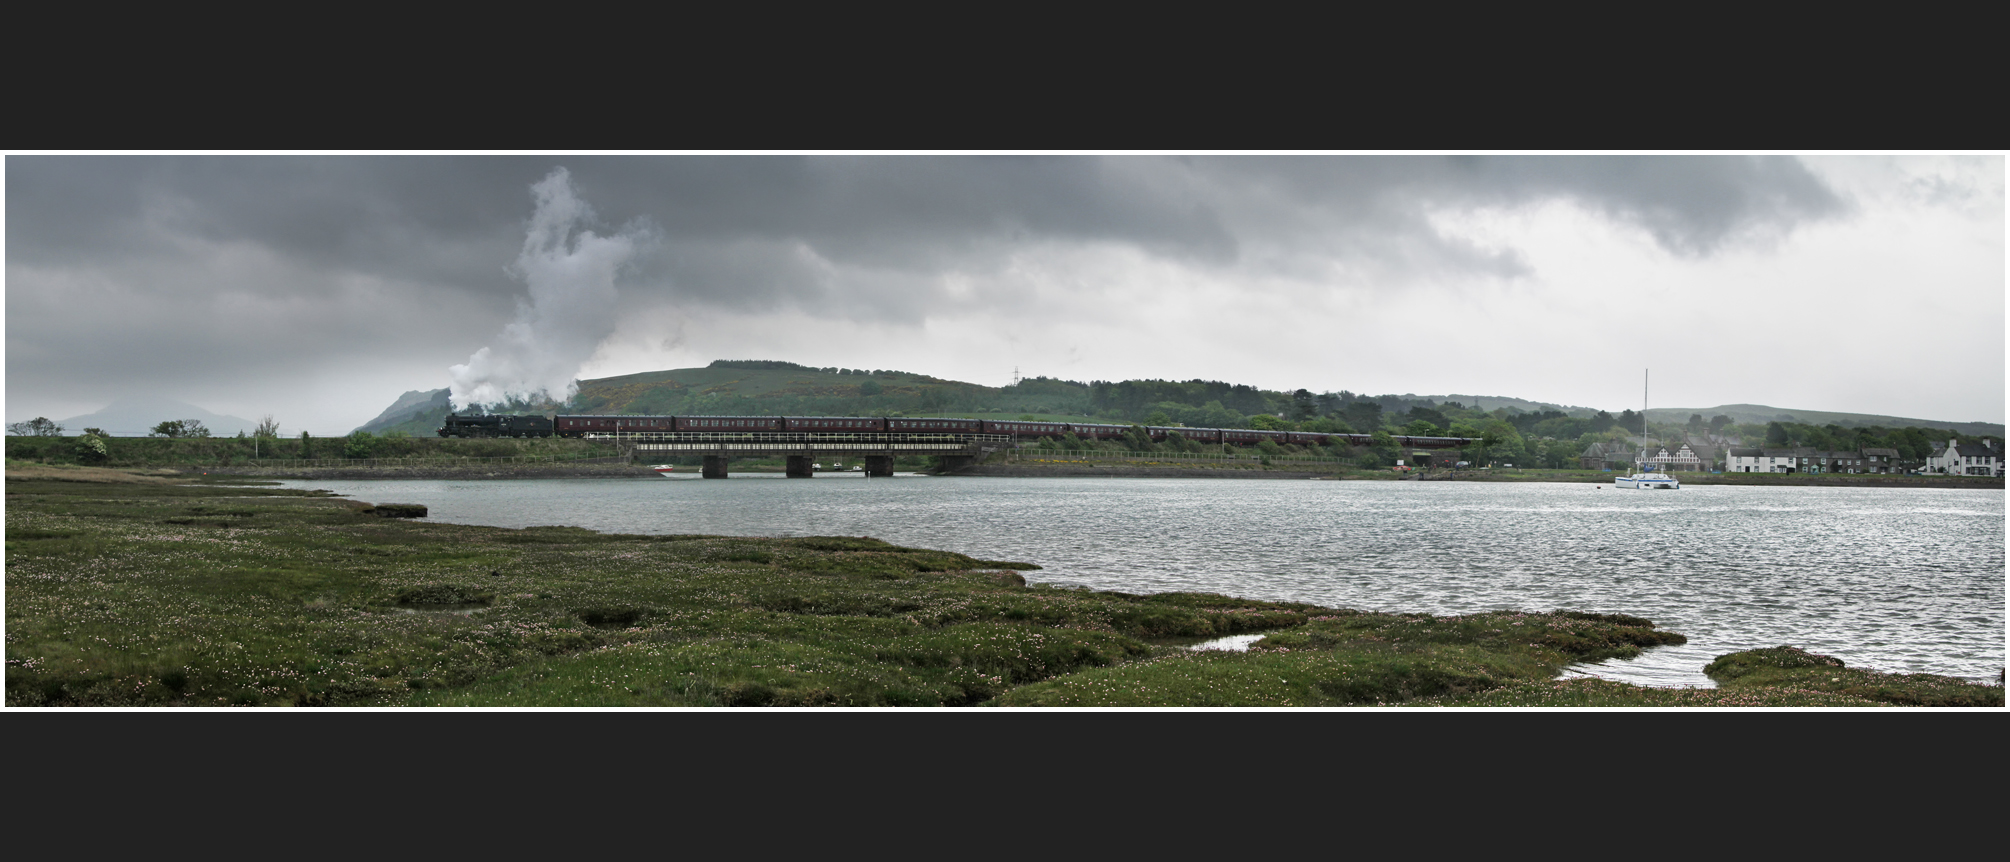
[570, 272]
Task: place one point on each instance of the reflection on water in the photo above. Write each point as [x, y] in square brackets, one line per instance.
[1906, 579]
[1232, 643]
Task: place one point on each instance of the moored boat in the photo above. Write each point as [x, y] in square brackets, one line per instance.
[1657, 481]
[663, 469]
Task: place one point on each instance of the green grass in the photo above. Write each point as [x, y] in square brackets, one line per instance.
[145, 590]
[1790, 667]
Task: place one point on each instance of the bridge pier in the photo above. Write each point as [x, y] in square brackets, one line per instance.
[878, 465]
[715, 467]
[799, 467]
[953, 463]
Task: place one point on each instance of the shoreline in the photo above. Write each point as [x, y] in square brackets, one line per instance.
[1115, 469]
[139, 589]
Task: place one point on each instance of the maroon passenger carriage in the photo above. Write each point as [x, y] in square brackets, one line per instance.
[834, 424]
[584, 425]
[580, 426]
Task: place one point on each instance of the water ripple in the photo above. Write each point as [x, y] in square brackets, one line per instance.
[1907, 579]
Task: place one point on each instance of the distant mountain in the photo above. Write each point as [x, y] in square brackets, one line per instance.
[136, 415]
[1759, 414]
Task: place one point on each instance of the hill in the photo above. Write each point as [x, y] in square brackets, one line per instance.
[1760, 414]
[418, 412]
[771, 388]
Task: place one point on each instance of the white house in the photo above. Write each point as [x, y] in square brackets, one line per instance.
[1965, 459]
[1754, 460]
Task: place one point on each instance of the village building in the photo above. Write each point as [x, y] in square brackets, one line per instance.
[1806, 459]
[1881, 461]
[1608, 456]
[1684, 458]
[1954, 458]
[1741, 459]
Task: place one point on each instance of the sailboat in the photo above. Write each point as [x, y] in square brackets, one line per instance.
[1644, 479]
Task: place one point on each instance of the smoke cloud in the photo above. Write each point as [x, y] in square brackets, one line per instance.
[571, 309]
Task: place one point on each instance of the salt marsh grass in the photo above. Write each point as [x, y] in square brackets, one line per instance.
[168, 592]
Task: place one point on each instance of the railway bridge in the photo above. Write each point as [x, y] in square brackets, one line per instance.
[806, 448]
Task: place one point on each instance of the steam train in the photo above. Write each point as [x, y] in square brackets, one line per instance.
[609, 426]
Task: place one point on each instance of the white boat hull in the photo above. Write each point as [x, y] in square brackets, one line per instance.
[1649, 481]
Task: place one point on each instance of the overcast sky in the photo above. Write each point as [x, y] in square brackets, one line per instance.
[318, 288]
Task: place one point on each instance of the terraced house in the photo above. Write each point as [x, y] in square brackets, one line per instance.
[1965, 459]
[1804, 459]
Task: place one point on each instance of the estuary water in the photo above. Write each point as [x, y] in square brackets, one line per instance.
[1900, 579]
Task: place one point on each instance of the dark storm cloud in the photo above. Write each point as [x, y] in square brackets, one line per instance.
[738, 226]
[1379, 208]
[303, 260]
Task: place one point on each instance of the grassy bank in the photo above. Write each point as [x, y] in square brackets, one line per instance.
[226, 451]
[128, 588]
[1872, 480]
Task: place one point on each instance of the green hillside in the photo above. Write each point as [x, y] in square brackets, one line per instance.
[772, 388]
[1760, 414]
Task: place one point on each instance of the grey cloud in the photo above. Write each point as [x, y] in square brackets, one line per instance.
[734, 221]
[303, 260]
[1691, 205]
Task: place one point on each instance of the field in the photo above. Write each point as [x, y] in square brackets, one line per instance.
[147, 588]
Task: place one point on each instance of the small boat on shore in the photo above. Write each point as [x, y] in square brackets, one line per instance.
[663, 469]
[1658, 481]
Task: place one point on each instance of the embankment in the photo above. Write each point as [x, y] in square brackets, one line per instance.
[557, 470]
[1138, 470]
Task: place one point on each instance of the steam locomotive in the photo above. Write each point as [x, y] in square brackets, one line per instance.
[608, 426]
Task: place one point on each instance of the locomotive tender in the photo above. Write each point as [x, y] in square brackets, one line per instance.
[598, 426]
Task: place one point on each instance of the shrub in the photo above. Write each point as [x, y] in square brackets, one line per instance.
[90, 449]
[361, 444]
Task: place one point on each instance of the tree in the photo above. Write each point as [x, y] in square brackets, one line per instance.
[180, 428]
[1695, 425]
[1302, 405]
[1363, 415]
[1602, 422]
[1718, 422]
[90, 449]
[1426, 414]
[1502, 442]
[36, 427]
[1634, 422]
[869, 388]
[266, 428]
